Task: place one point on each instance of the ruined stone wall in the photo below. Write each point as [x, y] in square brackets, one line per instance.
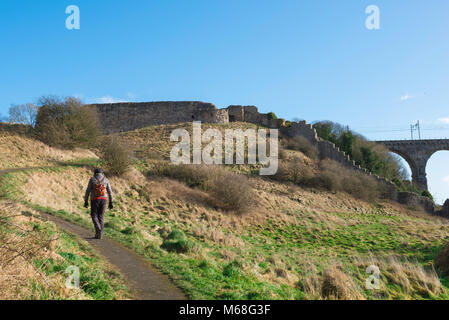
[121, 117]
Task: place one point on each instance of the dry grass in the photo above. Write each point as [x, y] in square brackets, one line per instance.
[336, 285]
[139, 198]
[20, 151]
[228, 191]
[411, 276]
[20, 246]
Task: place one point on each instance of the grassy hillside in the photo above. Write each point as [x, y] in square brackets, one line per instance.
[19, 151]
[296, 243]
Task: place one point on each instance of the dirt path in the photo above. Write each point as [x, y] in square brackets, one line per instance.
[145, 282]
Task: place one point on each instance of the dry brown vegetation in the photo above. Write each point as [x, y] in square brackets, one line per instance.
[19, 151]
[301, 144]
[117, 156]
[34, 255]
[228, 191]
[328, 175]
[20, 246]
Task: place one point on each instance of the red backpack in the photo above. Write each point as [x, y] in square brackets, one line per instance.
[99, 189]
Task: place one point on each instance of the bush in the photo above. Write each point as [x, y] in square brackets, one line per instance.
[303, 145]
[176, 241]
[228, 191]
[66, 123]
[294, 170]
[271, 116]
[117, 157]
[331, 176]
[353, 182]
[191, 175]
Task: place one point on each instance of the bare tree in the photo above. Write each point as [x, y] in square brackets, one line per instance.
[23, 113]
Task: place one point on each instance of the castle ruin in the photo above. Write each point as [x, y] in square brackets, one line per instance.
[121, 117]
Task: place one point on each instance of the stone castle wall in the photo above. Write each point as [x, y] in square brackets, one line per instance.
[121, 117]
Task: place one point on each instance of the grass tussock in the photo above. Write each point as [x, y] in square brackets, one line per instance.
[405, 277]
[336, 285]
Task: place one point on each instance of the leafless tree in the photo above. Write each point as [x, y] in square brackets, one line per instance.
[23, 113]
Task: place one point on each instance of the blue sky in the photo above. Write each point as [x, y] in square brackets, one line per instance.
[310, 60]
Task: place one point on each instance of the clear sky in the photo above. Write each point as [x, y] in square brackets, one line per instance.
[311, 60]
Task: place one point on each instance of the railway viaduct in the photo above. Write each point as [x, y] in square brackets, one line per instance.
[417, 153]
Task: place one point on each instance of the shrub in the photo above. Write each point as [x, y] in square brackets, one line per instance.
[66, 123]
[191, 175]
[302, 144]
[227, 190]
[117, 157]
[442, 261]
[230, 191]
[271, 116]
[176, 241]
[331, 176]
[294, 170]
[353, 182]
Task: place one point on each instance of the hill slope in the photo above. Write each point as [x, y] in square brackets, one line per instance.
[296, 243]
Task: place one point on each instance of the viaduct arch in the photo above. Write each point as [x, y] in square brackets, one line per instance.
[417, 153]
